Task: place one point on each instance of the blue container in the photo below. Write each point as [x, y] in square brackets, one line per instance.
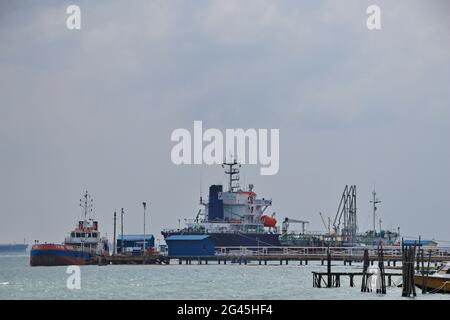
[190, 246]
[215, 206]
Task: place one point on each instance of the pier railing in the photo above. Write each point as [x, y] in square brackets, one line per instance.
[389, 251]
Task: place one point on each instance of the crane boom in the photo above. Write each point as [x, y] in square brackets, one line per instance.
[287, 221]
[296, 221]
[327, 228]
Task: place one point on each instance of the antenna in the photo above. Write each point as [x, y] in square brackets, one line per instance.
[87, 204]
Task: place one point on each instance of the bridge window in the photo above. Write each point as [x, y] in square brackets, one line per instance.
[78, 234]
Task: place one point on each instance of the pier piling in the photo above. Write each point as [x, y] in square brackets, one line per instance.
[364, 287]
[409, 254]
[329, 268]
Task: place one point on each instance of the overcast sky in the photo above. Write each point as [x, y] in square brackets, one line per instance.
[94, 109]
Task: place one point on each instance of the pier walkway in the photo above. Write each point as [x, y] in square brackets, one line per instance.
[348, 255]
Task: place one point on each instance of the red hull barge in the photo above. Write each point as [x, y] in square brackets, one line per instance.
[59, 255]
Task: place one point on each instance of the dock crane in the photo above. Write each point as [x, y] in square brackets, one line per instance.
[288, 221]
[327, 227]
[346, 214]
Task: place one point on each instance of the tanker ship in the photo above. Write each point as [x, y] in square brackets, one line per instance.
[233, 218]
[237, 218]
[83, 245]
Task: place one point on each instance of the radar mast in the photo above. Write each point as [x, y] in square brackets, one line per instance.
[87, 204]
[232, 170]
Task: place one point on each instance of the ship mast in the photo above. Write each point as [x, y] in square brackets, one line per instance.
[233, 174]
[87, 204]
[374, 202]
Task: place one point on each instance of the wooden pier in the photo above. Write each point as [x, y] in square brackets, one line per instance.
[333, 279]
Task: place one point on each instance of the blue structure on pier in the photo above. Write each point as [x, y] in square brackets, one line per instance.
[134, 243]
[190, 246]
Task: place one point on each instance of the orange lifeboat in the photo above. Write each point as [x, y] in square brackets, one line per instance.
[268, 221]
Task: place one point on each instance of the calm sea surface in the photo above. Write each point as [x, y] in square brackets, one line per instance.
[20, 281]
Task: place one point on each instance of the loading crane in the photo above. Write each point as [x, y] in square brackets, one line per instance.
[197, 217]
[345, 222]
[288, 221]
[327, 227]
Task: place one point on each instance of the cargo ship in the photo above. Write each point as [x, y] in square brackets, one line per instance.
[84, 245]
[233, 218]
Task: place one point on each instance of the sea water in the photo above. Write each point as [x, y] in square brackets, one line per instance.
[213, 281]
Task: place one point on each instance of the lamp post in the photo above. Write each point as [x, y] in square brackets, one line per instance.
[121, 230]
[144, 204]
[114, 240]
